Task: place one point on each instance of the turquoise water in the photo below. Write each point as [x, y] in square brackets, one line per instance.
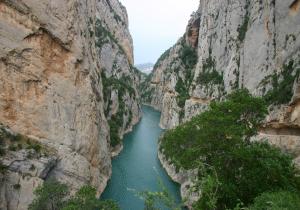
[137, 167]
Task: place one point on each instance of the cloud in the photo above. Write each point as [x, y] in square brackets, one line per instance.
[156, 25]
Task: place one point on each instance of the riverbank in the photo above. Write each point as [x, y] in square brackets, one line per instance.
[183, 177]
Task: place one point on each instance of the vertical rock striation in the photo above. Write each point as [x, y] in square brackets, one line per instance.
[65, 72]
[227, 45]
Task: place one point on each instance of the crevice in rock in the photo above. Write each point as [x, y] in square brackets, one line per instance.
[284, 131]
[294, 7]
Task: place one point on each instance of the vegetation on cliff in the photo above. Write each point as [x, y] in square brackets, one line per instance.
[282, 84]
[122, 87]
[53, 195]
[232, 170]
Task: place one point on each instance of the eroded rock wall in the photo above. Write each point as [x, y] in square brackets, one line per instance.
[238, 44]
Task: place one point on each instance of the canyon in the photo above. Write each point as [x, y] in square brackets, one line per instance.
[69, 90]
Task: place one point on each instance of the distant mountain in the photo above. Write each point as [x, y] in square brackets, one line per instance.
[145, 67]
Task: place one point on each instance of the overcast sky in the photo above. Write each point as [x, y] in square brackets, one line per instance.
[156, 25]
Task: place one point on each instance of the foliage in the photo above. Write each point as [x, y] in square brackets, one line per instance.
[242, 30]
[49, 196]
[17, 186]
[282, 84]
[114, 125]
[3, 168]
[236, 169]
[85, 198]
[104, 36]
[276, 201]
[53, 195]
[159, 200]
[228, 120]
[209, 74]
[17, 142]
[122, 86]
[182, 91]
[188, 56]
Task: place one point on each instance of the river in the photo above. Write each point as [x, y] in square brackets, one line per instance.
[137, 167]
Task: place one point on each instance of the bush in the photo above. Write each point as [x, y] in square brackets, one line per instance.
[189, 56]
[282, 85]
[242, 30]
[86, 199]
[251, 169]
[232, 120]
[209, 74]
[236, 170]
[3, 168]
[53, 195]
[49, 196]
[182, 91]
[114, 132]
[13, 147]
[17, 186]
[277, 201]
[2, 151]
[35, 146]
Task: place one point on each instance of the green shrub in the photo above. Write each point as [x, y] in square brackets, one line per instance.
[3, 168]
[236, 170]
[17, 186]
[182, 91]
[49, 196]
[282, 84]
[159, 200]
[104, 36]
[188, 56]
[53, 195]
[209, 74]
[35, 146]
[13, 147]
[114, 133]
[242, 30]
[32, 167]
[86, 199]
[276, 201]
[233, 119]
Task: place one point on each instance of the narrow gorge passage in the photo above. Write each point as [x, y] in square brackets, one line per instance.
[137, 167]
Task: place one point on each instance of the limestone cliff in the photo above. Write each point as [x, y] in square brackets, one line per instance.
[65, 72]
[229, 45]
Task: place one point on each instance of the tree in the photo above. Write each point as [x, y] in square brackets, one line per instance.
[157, 200]
[86, 199]
[236, 169]
[53, 195]
[49, 196]
[277, 201]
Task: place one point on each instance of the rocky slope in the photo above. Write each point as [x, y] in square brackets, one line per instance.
[66, 81]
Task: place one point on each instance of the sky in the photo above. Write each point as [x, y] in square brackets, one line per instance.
[156, 25]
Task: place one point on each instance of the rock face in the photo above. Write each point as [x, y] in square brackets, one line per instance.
[65, 72]
[185, 178]
[227, 45]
